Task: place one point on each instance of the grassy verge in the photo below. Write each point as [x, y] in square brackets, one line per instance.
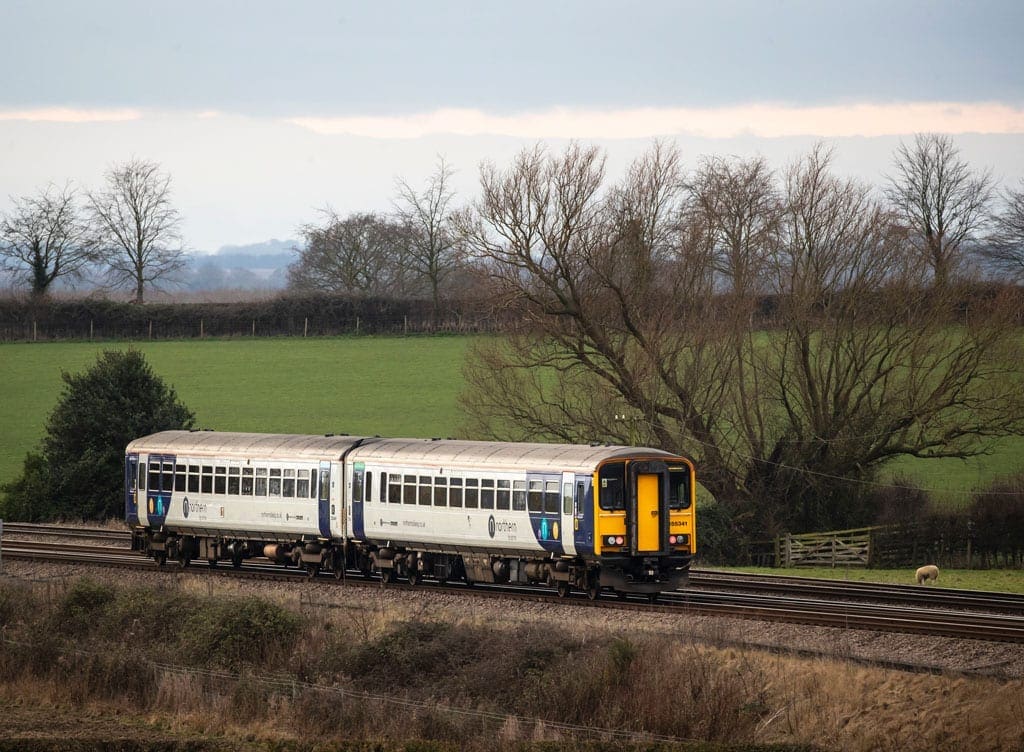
[192, 671]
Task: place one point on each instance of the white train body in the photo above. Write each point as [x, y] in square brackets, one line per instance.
[571, 515]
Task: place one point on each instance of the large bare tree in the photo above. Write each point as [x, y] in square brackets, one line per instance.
[44, 238]
[362, 255]
[843, 357]
[1004, 247]
[433, 251]
[139, 226]
[942, 201]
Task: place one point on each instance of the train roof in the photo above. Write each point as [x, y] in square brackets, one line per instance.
[413, 452]
[235, 444]
[492, 454]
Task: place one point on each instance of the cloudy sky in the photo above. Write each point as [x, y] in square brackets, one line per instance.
[264, 111]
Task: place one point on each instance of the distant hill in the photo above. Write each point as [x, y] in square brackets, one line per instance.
[255, 266]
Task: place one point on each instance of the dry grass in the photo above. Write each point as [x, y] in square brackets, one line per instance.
[192, 664]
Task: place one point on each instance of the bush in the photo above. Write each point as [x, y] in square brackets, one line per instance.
[233, 633]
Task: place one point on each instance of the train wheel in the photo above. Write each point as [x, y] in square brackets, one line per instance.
[212, 563]
[387, 576]
[562, 588]
[311, 570]
[652, 597]
[160, 557]
[415, 578]
[184, 560]
[236, 559]
[593, 591]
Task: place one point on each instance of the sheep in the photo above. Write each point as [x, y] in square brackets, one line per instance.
[929, 572]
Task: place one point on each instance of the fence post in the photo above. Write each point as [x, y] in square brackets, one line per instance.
[405, 326]
[305, 326]
[254, 327]
[357, 325]
[151, 328]
[35, 331]
[201, 328]
[91, 321]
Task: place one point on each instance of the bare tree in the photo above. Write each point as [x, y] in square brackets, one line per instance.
[625, 333]
[139, 226]
[433, 241]
[1004, 247]
[940, 199]
[361, 255]
[45, 238]
[737, 204]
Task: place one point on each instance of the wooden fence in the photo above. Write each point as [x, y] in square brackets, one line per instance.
[836, 548]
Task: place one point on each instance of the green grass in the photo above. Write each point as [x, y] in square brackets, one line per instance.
[997, 580]
[392, 386]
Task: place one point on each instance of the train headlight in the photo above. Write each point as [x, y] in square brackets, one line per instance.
[619, 540]
[672, 539]
[679, 540]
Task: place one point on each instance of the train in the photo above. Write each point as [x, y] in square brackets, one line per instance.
[587, 518]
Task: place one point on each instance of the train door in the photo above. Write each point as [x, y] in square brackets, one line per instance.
[131, 486]
[568, 517]
[583, 514]
[324, 500]
[650, 524]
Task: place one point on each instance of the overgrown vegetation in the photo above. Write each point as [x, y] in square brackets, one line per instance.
[234, 668]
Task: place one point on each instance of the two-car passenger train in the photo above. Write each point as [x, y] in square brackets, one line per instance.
[571, 516]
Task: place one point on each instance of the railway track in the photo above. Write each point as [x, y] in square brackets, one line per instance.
[802, 602]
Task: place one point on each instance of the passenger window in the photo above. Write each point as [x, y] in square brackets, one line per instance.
[179, 477]
[425, 491]
[409, 489]
[261, 481]
[472, 493]
[234, 474]
[246, 481]
[519, 496]
[193, 478]
[567, 498]
[535, 500]
[207, 486]
[220, 480]
[154, 476]
[302, 484]
[551, 497]
[369, 487]
[440, 492]
[612, 479]
[504, 494]
[168, 477]
[487, 494]
[455, 492]
[394, 488]
[274, 489]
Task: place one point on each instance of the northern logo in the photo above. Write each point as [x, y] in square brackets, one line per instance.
[184, 507]
[491, 527]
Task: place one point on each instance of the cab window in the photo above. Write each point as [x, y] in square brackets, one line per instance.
[612, 486]
[679, 487]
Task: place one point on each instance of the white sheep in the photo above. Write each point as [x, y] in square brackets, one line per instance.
[929, 572]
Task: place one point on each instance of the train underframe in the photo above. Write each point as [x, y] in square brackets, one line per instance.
[622, 574]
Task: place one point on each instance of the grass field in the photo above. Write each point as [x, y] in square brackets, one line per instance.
[392, 386]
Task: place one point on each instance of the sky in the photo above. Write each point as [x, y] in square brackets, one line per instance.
[263, 112]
